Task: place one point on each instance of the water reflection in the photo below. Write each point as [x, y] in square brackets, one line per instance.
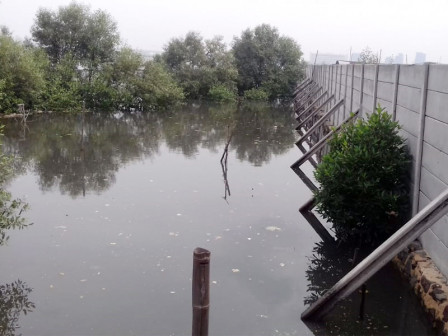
[390, 308]
[80, 153]
[13, 302]
[327, 265]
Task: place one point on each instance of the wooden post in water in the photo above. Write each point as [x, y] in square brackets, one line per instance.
[201, 291]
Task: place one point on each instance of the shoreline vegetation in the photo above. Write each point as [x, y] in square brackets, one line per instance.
[75, 60]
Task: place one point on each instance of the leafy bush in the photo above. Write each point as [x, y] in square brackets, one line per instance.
[256, 94]
[10, 209]
[364, 180]
[220, 93]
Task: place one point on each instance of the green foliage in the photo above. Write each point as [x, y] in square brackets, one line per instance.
[256, 94]
[10, 209]
[367, 56]
[157, 88]
[80, 44]
[199, 65]
[63, 92]
[266, 60]
[13, 301]
[90, 38]
[220, 93]
[21, 74]
[364, 180]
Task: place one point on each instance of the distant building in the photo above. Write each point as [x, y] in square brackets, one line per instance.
[326, 58]
[355, 57]
[420, 58]
[399, 59]
[389, 60]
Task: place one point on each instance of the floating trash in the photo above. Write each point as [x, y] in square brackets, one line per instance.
[273, 228]
[235, 270]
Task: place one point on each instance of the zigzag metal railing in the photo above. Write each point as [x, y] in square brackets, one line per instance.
[313, 150]
[300, 115]
[380, 257]
[308, 91]
[307, 114]
[308, 135]
[385, 252]
[304, 91]
[300, 86]
[306, 209]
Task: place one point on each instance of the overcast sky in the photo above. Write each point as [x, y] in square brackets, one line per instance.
[392, 26]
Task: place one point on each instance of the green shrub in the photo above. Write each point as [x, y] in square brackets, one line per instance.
[364, 180]
[220, 93]
[10, 209]
[256, 94]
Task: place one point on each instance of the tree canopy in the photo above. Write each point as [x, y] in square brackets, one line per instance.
[200, 65]
[367, 56]
[265, 60]
[91, 38]
[75, 59]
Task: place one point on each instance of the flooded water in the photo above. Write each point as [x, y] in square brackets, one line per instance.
[119, 202]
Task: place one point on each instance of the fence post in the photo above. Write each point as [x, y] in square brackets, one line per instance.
[351, 89]
[421, 136]
[361, 90]
[375, 87]
[394, 100]
[201, 291]
[345, 92]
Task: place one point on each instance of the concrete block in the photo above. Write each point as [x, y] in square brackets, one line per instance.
[385, 91]
[437, 80]
[411, 142]
[436, 133]
[437, 105]
[430, 185]
[356, 95]
[368, 86]
[409, 98]
[436, 249]
[370, 71]
[355, 105]
[367, 103]
[385, 104]
[386, 73]
[435, 161]
[357, 83]
[423, 201]
[408, 120]
[412, 75]
[358, 70]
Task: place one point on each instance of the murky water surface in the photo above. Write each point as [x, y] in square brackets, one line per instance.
[120, 201]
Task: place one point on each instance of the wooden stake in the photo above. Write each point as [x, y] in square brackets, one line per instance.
[201, 291]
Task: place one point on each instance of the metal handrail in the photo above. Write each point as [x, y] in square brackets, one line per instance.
[380, 257]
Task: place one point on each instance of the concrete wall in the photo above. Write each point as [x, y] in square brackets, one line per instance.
[417, 97]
